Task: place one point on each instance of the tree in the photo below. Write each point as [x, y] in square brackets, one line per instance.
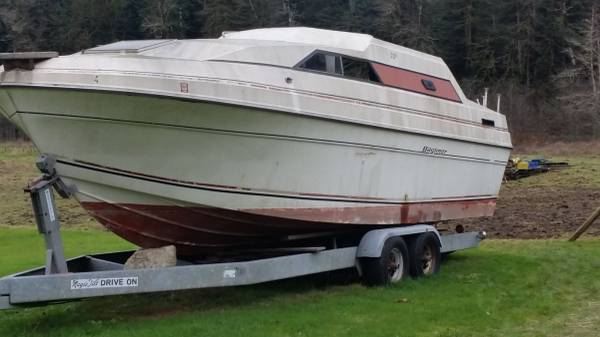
[217, 16]
[590, 48]
[234, 15]
[160, 18]
[4, 41]
[544, 55]
[452, 33]
[405, 22]
[129, 20]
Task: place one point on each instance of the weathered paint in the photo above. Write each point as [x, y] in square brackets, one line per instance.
[240, 153]
[197, 229]
[404, 213]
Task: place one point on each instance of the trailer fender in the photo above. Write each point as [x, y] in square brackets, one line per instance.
[372, 242]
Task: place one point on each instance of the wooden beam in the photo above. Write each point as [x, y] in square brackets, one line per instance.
[584, 227]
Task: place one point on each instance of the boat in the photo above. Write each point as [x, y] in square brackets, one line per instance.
[259, 137]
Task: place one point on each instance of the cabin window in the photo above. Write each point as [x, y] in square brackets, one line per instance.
[323, 62]
[488, 122]
[340, 65]
[429, 85]
[359, 69]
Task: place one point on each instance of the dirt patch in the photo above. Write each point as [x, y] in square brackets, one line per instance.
[558, 148]
[17, 169]
[537, 213]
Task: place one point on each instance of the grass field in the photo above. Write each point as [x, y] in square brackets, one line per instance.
[584, 172]
[17, 168]
[504, 288]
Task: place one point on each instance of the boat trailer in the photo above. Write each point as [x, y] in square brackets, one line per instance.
[105, 275]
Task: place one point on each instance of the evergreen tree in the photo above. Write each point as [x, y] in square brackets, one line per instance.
[405, 22]
[233, 15]
[4, 42]
[190, 25]
[452, 33]
[329, 15]
[540, 53]
[129, 20]
[217, 17]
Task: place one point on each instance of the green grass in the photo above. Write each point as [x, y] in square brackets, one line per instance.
[23, 248]
[504, 288]
[17, 169]
[583, 171]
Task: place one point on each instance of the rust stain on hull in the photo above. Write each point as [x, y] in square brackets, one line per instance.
[407, 213]
[196, 230]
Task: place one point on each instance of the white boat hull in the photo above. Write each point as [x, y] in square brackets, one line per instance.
[240, 141]
[143, 164]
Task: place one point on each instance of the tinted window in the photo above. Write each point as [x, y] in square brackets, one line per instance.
[323, 62]
[316, 62]
[359, 69]
[488, 122]
[340, 65]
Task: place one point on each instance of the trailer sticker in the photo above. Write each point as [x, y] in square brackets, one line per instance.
[109, 282]
[49, 203]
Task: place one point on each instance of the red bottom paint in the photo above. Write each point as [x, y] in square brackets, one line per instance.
[200, 230]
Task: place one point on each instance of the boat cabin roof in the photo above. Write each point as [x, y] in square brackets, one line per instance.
[285, 47]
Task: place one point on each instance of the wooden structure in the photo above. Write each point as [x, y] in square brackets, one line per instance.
[584, 227]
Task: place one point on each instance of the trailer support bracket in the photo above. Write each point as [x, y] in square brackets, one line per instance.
[46, 214]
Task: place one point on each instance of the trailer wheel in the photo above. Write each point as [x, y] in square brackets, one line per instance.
[425, 257]
[391, 267]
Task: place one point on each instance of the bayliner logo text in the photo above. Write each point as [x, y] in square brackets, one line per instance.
[434, 151]
[109, 282]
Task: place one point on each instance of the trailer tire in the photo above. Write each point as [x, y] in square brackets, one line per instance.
[424, 255]
[389, 268]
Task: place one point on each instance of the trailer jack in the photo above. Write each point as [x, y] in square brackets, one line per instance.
[46, 214]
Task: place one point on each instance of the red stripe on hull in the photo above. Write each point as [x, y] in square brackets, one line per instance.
[197, 230]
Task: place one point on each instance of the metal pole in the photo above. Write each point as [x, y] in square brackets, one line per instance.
[485, 98]
[498, 104]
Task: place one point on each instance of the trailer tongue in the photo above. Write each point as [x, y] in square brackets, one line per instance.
[381, 256]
